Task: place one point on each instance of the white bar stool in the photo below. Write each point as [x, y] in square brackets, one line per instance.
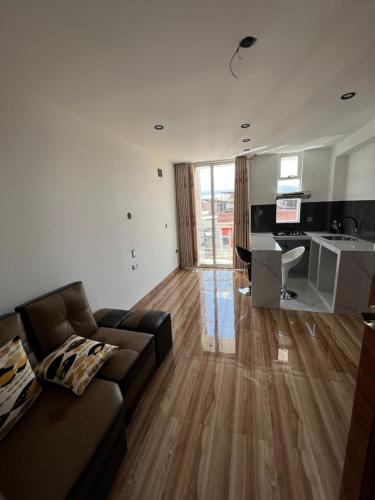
[289, 260]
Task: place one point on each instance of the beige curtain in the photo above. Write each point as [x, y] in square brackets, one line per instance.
[186, 220]
[241, 208]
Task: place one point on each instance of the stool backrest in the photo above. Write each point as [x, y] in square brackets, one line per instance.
[243, 254]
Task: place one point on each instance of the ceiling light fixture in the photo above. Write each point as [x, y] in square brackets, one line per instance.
[158, 127]
[245, 125]
[245, 43]
[245, 140]
[348, 95]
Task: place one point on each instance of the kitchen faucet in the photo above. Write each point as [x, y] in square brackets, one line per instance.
[356, 228]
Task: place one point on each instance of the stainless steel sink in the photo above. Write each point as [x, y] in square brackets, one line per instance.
[339, 237]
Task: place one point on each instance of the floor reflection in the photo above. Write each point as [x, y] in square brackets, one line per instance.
[218, 313]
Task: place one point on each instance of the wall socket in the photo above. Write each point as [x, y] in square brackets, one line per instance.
[134, 267]
[310, 219]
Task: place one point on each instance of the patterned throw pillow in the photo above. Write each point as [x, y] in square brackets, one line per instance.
[19, 387]
[75, 363]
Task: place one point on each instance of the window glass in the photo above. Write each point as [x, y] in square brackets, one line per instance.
[289, 181]
[289, 166]
[288, 186]
[288, 211]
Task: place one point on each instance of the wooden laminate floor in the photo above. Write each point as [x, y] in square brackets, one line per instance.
[251, 403]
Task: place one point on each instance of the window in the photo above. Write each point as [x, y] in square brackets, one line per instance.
[289, 181]
[214, 208]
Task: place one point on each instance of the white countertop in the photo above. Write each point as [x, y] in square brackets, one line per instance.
[263, 241]
[267, 242]
[337, 246]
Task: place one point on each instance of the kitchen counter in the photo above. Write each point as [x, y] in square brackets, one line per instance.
[263, 241]
[265, 270]
[358, 245]
[340, 271]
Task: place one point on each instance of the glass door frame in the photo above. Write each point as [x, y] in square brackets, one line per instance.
[211, 164]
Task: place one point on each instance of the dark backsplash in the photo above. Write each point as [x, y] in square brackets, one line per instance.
[317, 216]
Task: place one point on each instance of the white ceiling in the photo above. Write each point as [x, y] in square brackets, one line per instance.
[127, 65]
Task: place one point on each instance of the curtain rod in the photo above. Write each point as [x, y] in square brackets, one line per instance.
[249, 157]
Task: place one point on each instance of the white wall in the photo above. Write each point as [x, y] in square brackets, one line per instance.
[360, 174]
[65, 187]
[315, 176]
[263, 179]
[353, 166]
[316, 172]
[339, 177]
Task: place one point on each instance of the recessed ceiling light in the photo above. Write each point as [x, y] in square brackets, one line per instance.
[245, 140]
[245, 125]
[158, 127]
[348, 95]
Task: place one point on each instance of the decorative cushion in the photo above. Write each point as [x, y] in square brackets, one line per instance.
[19, 387]
[75, 363]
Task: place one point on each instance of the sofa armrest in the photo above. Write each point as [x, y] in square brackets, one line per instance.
[111, 318]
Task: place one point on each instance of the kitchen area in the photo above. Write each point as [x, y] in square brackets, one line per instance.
[334, 275]
[316, 210]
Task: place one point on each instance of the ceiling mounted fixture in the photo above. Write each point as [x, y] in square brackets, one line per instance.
[245, 43]
[158, 127]
[245, 125]
[348, 95]
[245, 140]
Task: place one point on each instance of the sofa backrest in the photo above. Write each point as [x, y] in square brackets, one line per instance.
[51, 319]
[11, 326]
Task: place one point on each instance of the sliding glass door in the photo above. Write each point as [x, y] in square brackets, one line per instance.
[215, 204]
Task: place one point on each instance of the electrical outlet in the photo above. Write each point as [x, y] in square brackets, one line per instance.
[129, 215]
[310, 219]
[133, 253]
[134, 267]
[166, 226]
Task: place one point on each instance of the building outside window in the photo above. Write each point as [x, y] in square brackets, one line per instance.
[289, 180]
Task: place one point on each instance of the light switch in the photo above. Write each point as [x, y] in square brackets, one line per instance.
[134, 267]
[133, 253]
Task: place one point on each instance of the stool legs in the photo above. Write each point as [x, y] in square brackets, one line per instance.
[247, 290]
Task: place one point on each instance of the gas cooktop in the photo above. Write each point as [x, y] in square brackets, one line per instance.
[293, 232]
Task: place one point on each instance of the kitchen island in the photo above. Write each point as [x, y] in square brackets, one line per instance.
[339, 271]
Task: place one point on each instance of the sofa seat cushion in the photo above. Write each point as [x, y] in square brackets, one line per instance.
[131, 345]
[132, 366]
[46, 452]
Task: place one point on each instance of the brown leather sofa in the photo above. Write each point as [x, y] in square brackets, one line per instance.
[157, 323]
[51, 319]
[64, 446]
